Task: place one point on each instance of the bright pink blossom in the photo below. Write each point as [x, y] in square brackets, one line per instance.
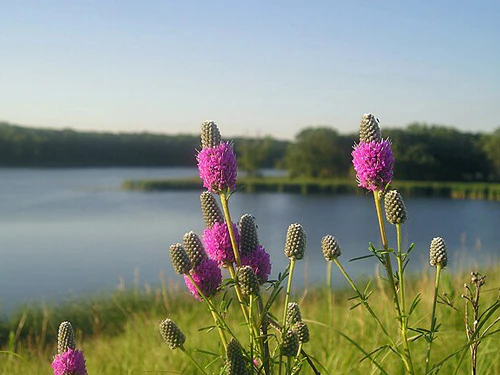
[217, 167]
[218, 243]
[260, 261]
[373, 162]
[208, 278]
[71, 362]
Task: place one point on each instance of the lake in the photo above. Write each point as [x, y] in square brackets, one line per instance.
[64, 232]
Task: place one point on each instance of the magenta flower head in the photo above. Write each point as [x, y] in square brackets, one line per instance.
[208, 278]
[260, 261]
[218, 243]
[70, 362]
[217, 167]
[373, 162]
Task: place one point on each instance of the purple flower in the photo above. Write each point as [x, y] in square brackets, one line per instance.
[218, 243]
[373, 162]
[207, 276]
[70, 362]
[260, 261]
[217, 167]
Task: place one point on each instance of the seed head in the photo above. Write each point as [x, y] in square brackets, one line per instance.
[302, 331]
[369, 129]
[248, 234]
[395, 209]
[171, 334]
[295, 245]
[438, 252]
[180, 260]
[65, 337]
[248, 281]
[210, 209]
[293, 315]
[210, 134]
[235, 362]
[194, 248]
[330, 248]
[290, 344]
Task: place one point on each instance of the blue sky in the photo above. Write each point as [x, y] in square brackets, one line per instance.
[255, 67]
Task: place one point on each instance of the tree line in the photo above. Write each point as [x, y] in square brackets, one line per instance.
[423, 152]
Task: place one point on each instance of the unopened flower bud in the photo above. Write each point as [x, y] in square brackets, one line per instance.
[171, 334]
[180, 260]
[248, 281]
[295, 245]
[290, 344]
[235, 362]
[330, 248]
[369, 129]
[248, 234]
[210, 209]
[293, 315]
[194, 248]
[395, 209]
[438, 252]
[210, 134]
[65, 337]
[302, 331]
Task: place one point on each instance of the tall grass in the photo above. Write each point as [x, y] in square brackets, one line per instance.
[119, 333]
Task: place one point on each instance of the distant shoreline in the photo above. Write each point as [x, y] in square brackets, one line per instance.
[454, 190]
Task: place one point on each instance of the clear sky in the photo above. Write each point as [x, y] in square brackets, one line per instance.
[255, 67]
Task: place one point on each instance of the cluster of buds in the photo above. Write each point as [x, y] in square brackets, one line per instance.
[296, 332]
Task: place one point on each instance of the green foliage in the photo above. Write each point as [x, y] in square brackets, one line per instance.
[491, 146]
[319, 152]
[252, 153]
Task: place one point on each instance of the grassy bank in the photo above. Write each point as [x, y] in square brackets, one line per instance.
[119, 333]
[455, 190]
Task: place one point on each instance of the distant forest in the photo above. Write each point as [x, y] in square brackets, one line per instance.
[423, 152]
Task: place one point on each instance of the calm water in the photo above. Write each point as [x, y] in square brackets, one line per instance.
[69, 231]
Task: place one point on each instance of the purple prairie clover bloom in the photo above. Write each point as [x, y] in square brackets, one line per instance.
[217, 167]
[260, 261]
[373, 162]
[70, 362]
[218, 243]
[207, 276]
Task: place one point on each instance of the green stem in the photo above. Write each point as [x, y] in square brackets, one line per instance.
[193, 360]
[329, 291]
[287, 297]
[404, 318]
[362, 298]
[219, 322]
[224, 198]
[263, 331]
[433, 318]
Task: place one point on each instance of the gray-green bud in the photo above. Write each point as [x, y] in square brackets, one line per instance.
[302, 331]
[65, 337]
[295, 245]
[438, 253]
[290, 344]
[210, 134]
[180, 260]
[248, 234]
[293, 314]
[369, 129]
[330, 248]
[171, 334]
[194, 248]
[235, 362]
[210, 209]
[248, 281]
[395, 209]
